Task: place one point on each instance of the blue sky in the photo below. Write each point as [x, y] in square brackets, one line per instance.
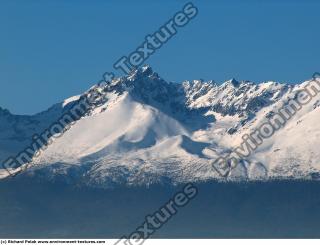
[51, 50]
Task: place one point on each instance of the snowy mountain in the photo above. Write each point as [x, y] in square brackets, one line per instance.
[146, 130]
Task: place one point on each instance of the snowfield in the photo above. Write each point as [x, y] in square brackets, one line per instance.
[146, 130]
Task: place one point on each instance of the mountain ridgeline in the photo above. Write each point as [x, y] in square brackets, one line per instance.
[144, 130]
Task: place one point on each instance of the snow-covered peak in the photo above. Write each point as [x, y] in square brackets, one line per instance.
[233, 82]
[143, 129]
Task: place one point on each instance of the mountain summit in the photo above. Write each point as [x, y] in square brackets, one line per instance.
[146, 130]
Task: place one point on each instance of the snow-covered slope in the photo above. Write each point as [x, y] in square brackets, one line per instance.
[146, 130]
[16, 131]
